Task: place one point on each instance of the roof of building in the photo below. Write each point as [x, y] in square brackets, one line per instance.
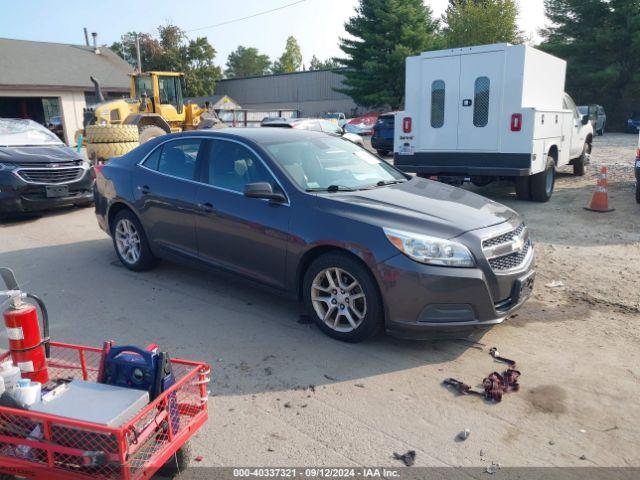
[43, 64]
[338, 71]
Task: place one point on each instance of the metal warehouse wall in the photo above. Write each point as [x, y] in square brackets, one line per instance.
[310, 92]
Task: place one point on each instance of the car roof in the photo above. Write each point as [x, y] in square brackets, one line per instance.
[254, 134]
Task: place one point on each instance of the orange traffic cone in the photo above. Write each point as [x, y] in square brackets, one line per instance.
[600, 199]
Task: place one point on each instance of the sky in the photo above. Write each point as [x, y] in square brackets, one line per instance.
[316, 24]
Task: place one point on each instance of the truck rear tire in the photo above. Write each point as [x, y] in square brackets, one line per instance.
[150, 131]
[523, 188]
[542, 183]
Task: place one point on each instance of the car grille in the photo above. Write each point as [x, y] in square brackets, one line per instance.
[50, 175]
[502, 251]
[505, 238]
[511, 261]
[46, 163]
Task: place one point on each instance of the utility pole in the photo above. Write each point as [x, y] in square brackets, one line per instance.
[138, 53]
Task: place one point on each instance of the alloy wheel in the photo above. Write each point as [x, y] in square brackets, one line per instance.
[338, 299]
[128, 241]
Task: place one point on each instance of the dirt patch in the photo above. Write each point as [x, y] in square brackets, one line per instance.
[548, 399]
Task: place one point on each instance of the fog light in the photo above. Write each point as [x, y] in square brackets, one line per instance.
[447, 313]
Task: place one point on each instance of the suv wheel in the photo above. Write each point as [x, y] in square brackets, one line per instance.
[342, 297]
[130, 242]
[542, 183]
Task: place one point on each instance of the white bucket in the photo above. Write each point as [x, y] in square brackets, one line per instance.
[10, 375]
[28, 392]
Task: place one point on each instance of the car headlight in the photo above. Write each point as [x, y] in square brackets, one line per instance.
[430, 250]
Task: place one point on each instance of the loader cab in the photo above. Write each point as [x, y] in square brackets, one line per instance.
[164, 94]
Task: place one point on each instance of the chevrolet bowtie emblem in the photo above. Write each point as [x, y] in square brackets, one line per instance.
[518, 244]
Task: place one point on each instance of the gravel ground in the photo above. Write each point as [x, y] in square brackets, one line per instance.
[284, 394]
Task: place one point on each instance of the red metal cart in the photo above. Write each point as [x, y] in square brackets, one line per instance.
[36, 445]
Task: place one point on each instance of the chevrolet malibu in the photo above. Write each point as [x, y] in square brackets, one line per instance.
[361, 244]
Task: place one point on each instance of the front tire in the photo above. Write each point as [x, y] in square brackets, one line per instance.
[578, 166]
[342, 297]
[130, 242]
[543, 183]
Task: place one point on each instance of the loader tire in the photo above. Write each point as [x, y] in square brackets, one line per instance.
[105, 151]
[111, 133]
[150, 131]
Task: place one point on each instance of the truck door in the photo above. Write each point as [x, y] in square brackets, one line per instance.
[439, 91]
[576, 135]
[481, 78]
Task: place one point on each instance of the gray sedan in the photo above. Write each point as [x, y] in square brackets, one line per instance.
[361, 244]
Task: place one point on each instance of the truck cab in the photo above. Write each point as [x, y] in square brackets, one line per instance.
[485, 113]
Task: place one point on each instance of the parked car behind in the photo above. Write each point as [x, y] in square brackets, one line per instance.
[363, 245]
[382, 136]
[597, 116]
[38, 171]
[633, 123]
[317, 125]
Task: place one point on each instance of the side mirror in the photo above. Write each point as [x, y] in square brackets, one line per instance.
[263, 190]
[585, 119]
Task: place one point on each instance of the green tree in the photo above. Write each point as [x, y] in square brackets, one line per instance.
[385, 33]
[481, 22]
[317, 64]
[173, 51]
[600, 39]
[245, 62]
[291, 58]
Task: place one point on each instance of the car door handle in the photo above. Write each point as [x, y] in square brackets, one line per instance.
[144, 189]
[206, 207]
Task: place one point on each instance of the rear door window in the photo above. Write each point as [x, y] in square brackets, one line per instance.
[482, 91]
[437, 103]
[151, 162]
[179, 158]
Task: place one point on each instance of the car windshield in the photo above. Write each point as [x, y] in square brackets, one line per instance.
[321, 163]
[19, 133]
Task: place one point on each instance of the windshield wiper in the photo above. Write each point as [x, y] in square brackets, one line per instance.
[384, 183]
[332, 188]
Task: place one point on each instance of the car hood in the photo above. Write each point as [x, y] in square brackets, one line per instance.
[38, 154]
[420, 205]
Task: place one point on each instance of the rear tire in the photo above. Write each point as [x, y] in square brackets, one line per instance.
[523, 188]
[481, 180]
[130, 242]
[543, 183]
[383, 153]
[150, 131]
[361, 303]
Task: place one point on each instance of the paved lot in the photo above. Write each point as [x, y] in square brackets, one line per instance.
[576, 345]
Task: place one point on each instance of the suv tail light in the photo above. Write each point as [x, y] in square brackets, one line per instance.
[516, 122]
[406, 125]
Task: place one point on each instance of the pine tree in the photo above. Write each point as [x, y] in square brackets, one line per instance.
[385, 33]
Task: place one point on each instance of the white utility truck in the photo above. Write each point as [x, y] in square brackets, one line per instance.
[491, 112]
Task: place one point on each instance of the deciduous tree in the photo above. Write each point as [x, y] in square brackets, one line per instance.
[291, 58]
[247, 61]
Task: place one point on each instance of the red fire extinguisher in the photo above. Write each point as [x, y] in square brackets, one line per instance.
[29, 349]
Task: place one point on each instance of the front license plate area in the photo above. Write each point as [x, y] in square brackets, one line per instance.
[523, 287]
[56, 191]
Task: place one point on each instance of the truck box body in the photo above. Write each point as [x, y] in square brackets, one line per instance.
[492, 110]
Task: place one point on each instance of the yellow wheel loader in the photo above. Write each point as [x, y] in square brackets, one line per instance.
[155, 107]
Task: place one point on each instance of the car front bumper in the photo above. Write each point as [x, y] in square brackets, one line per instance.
[423, 301]
[19, 196]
